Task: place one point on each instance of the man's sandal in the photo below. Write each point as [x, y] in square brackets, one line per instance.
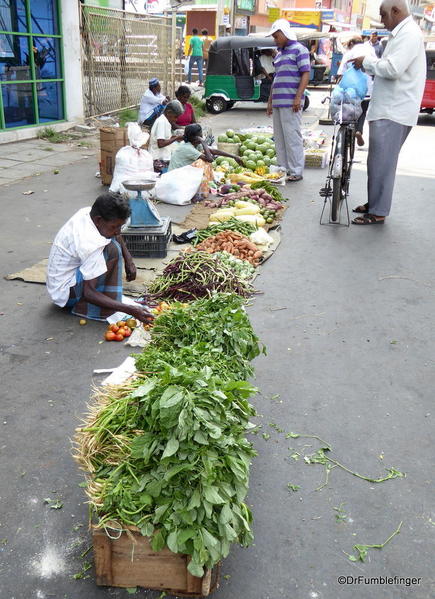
[369, 219]
[293, 178]
[364, 209]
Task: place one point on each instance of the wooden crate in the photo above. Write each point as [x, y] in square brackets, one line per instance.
[129, 561]
[112, 139]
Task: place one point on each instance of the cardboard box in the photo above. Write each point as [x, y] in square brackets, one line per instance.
[129, 561]
[112, 139]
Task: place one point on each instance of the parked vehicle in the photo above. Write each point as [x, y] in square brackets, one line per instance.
[230, 71]
[428, 101]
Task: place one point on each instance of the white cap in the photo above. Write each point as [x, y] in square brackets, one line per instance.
[284, 26]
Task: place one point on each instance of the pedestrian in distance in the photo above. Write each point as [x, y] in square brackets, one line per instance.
[152, 103]
[375, 43]
[196, 56]
[84, 271]
[399, 80]
[206, 46]
[286, 99]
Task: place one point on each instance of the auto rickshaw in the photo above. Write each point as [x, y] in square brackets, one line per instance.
[231, 75]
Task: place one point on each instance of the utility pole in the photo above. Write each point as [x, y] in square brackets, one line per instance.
[220, 29]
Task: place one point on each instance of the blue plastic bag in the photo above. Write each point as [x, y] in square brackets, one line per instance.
[355, 79]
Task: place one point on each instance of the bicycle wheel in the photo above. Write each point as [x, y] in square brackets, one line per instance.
[337, 173]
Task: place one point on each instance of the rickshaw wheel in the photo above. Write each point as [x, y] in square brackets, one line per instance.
[306, 103]
[216, 104]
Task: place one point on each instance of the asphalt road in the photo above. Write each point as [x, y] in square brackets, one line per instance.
[347, 317]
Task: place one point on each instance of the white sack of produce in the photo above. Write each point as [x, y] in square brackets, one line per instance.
[179, 185]
[132, 162]
[261, 239]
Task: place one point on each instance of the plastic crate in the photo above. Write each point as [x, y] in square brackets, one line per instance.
[149, 242]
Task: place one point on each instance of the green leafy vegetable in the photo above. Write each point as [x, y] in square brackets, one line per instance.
[168, 452]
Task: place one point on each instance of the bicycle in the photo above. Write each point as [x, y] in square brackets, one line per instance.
[336, 189]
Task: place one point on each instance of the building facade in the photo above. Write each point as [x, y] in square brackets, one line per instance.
[40, 68]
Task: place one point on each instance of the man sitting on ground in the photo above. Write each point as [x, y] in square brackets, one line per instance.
[163, 138]
[84, 271]
[152, 103]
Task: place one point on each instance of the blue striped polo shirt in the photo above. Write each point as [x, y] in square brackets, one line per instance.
[290, 63]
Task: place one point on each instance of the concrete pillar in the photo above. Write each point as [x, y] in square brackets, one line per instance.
[72, 59]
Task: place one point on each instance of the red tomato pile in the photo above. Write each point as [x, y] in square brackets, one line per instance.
[120, 331]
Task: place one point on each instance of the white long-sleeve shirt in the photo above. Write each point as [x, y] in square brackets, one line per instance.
[148, 102]
[400, 76]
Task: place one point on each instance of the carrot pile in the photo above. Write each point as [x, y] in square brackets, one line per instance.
[234, 243]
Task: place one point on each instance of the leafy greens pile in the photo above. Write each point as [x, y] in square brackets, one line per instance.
[169, 453]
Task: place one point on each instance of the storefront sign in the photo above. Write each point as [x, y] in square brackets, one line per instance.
[273, 14]
[327, 15]
[245, 6]
[303, 18]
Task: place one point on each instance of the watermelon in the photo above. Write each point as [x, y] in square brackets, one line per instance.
[250, 164]
[230, 133]
[223, 139]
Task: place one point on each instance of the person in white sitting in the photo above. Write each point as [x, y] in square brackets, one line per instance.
[152, 103]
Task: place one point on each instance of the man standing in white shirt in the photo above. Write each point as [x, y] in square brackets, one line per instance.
[400, 77]
[84, 271]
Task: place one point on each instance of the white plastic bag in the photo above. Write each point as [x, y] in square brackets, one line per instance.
[131, 162]
[186, 67]
[179, 185]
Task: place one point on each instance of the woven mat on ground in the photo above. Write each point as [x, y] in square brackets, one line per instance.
[147, 268]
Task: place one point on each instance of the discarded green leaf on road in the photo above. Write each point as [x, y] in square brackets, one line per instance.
[362, 550]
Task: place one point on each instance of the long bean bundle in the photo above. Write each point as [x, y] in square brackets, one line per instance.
[197, 274]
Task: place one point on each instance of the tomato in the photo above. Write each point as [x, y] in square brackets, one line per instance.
[119, 337]
[121, 323]
[110, 336]
[114, 328]
[127, 332]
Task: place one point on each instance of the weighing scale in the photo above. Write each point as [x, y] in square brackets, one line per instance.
[143, 213]
[147, 233]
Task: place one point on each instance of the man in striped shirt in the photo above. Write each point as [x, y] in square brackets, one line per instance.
[286, 100]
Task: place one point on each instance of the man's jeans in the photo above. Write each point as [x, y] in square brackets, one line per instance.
[198, 60]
